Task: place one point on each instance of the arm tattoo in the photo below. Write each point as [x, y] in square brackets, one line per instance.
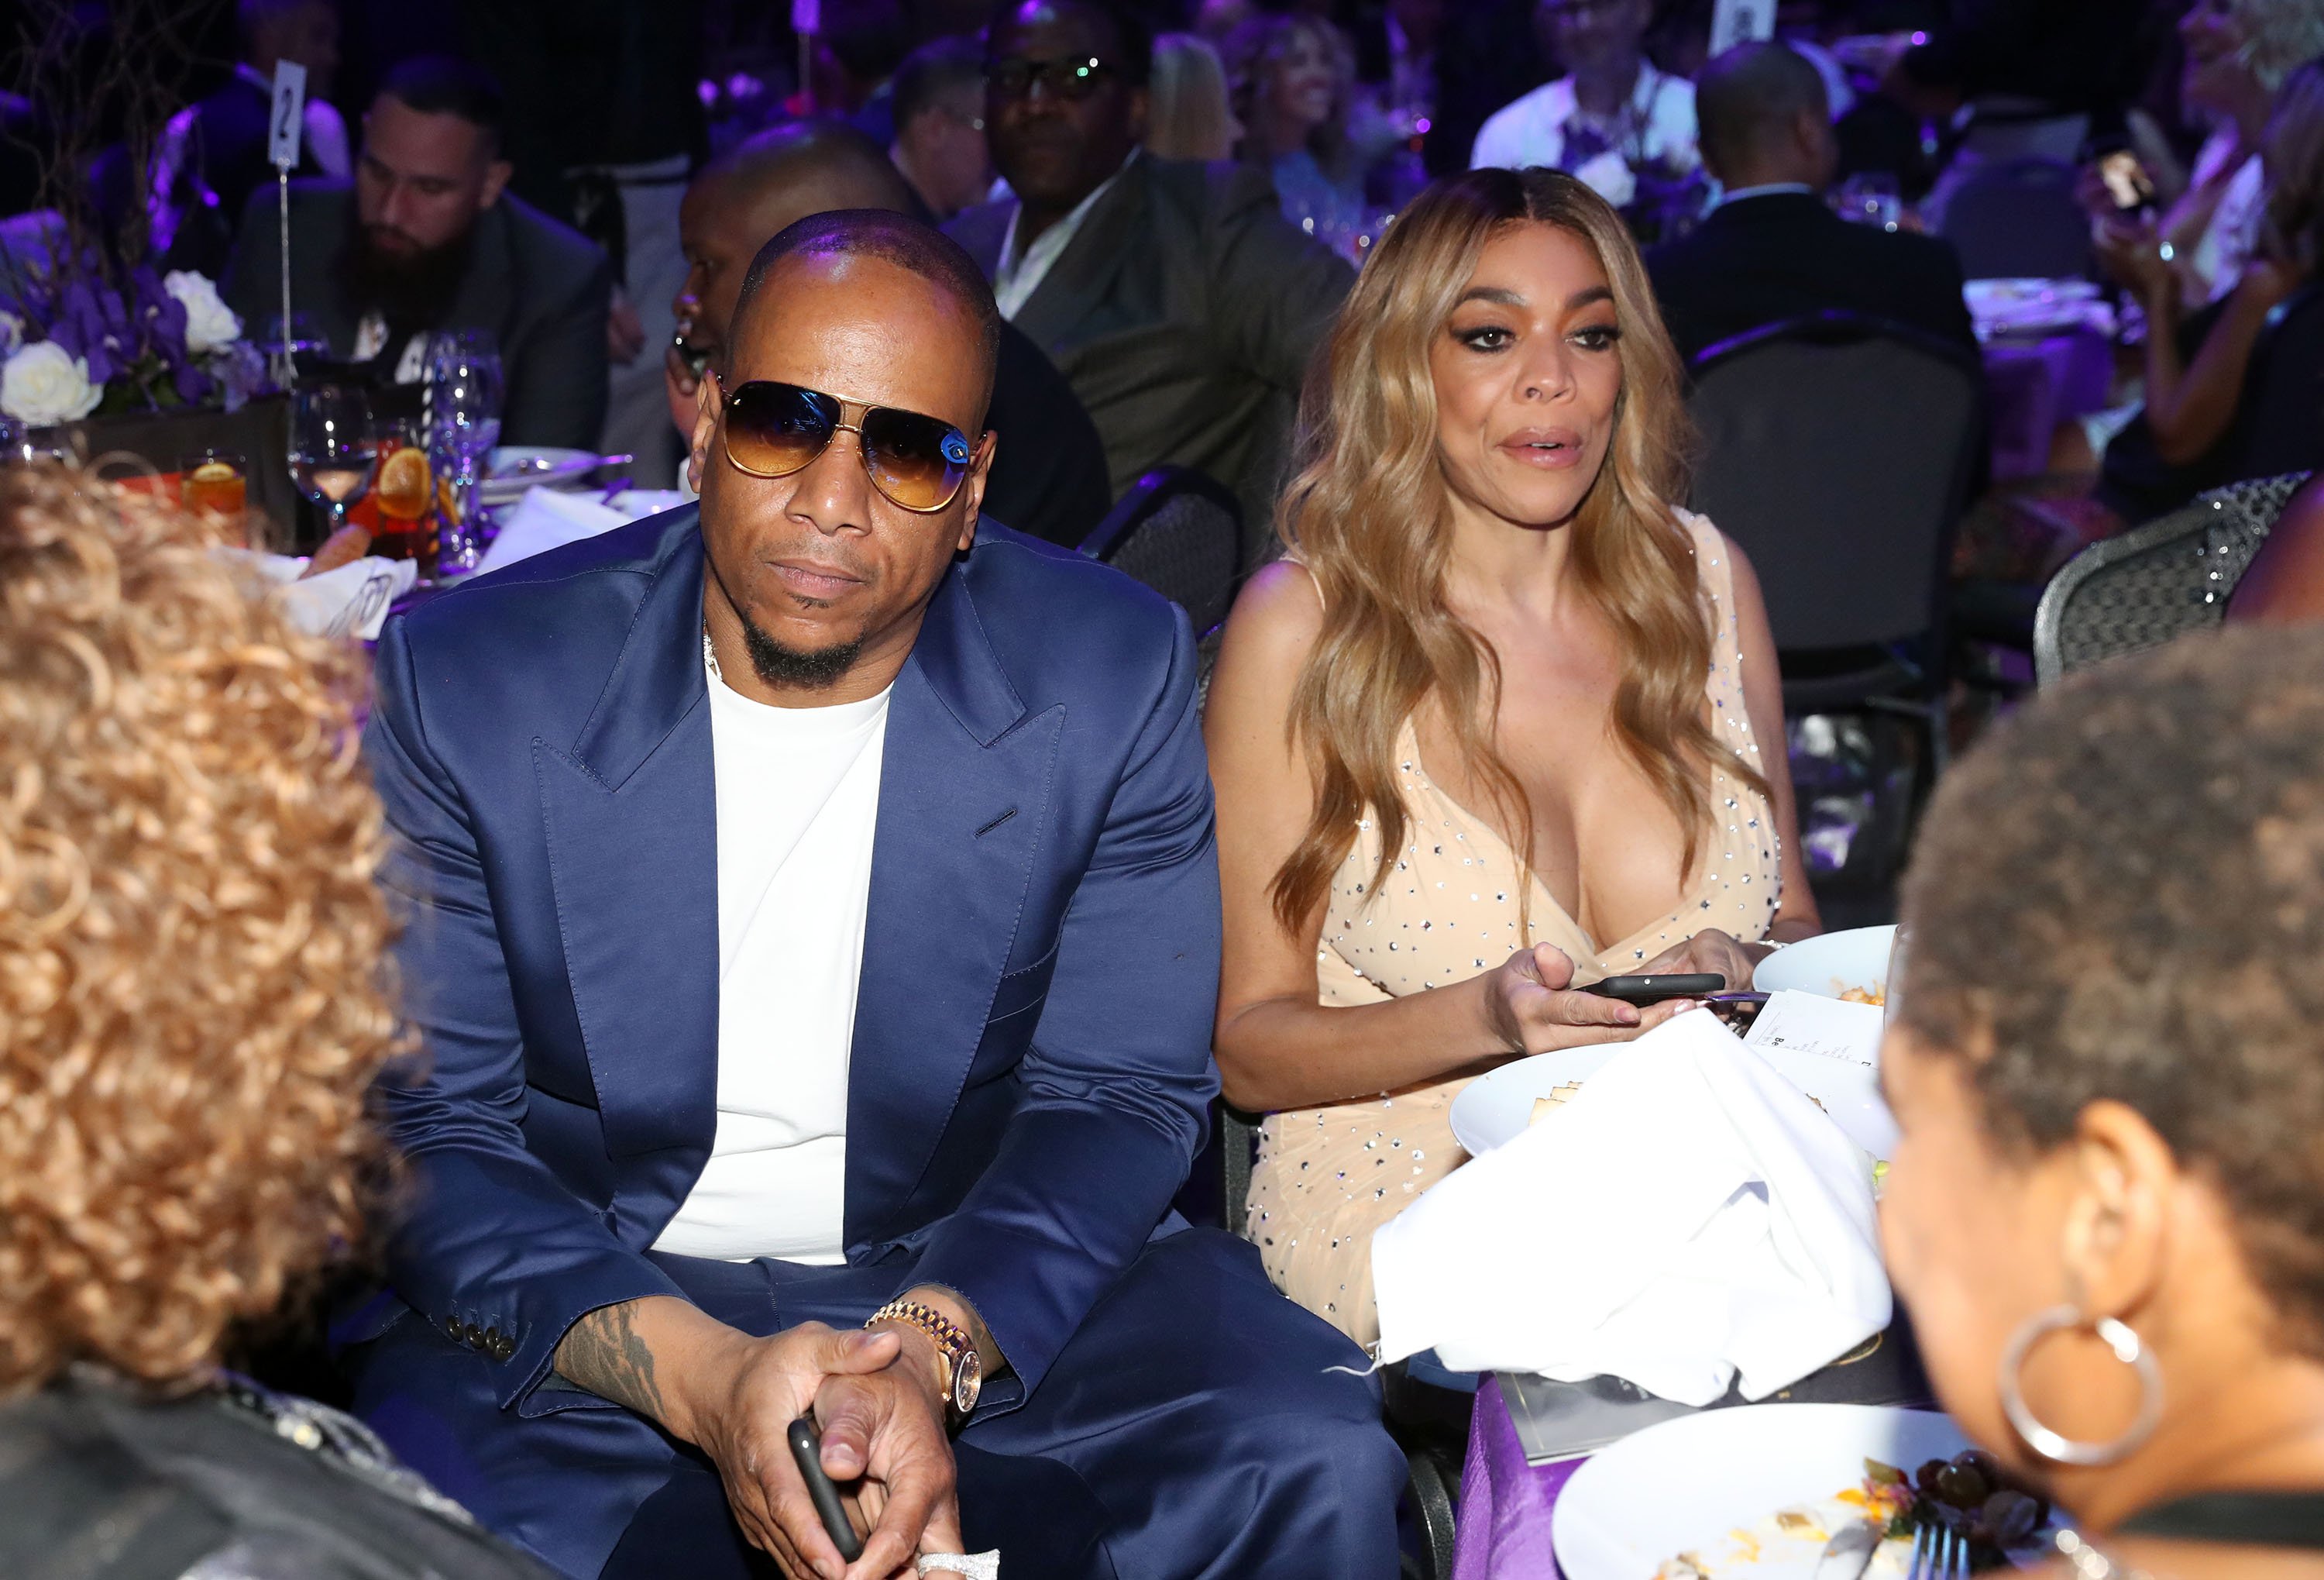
[603, 1353]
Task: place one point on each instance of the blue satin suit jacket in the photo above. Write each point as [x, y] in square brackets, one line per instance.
[1031, 1062]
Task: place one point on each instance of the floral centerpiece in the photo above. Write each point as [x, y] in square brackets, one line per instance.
[81, 346]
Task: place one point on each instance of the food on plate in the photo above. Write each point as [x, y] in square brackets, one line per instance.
[1966, 1493]
[1864, 995]
[1543, 1107]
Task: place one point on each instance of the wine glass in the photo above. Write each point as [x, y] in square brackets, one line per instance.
[332, 447]
[464, 415]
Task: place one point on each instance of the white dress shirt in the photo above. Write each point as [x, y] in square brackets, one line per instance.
[1531, 131]
[1017, 277]
[799, 797]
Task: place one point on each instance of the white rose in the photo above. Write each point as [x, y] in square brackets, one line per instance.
[44, 385]
[12, 333]
[1608, 175]
[210, 324]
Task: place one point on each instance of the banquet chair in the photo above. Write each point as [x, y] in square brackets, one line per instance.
[1838, 452]
[1180, 533]
[1416, 1418]
[2155, 582]
[2017, 219]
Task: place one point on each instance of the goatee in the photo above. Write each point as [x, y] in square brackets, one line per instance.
[793, 669]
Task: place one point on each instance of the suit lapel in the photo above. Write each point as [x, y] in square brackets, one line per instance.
[1084, 271]
[488, 289]
[964, 786]
[630, 811]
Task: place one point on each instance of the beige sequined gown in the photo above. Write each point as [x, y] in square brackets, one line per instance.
[1327, 1177]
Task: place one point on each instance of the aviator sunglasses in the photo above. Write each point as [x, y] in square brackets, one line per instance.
[773, 430]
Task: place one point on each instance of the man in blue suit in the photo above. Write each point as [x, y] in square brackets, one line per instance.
[815, 931]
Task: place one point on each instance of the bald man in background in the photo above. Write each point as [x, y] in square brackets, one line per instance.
[1772, 250]
[1049, 478]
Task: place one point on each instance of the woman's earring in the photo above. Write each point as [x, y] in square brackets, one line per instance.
[2127, 1348]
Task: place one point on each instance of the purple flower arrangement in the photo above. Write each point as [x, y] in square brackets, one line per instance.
[80, 345]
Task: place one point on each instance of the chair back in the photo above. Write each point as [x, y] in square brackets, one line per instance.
[1181, 534]
[2017, 217]
[1838, 450]
[2280, 427]
[2126, 595]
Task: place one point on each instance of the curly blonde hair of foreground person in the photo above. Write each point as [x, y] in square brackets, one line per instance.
[2120, 895]
[191, 999]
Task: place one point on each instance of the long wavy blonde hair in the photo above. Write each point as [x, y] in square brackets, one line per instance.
[192, 998]
[1369, 515]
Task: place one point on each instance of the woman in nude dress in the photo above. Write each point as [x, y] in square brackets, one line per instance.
[1492, 731]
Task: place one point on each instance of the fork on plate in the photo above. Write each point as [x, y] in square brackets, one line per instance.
[1938, 1553]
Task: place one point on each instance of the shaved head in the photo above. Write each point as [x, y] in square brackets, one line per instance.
[1751, 104]
[912, 246]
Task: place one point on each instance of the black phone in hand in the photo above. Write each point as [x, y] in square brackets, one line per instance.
[807, 1450]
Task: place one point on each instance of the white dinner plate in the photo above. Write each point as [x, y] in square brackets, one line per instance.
[1686, 1486]
[1495, 1108]
[1830, 963]
[512, 470]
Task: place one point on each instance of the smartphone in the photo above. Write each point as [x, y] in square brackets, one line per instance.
[2126, 180]
[807, 1450]
[1654, 990]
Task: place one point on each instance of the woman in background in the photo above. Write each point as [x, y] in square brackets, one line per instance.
[2181, 442]
[2106, 1207]
[191, 1010]
[1493, 731]
[1294, 84]
[1187, 111]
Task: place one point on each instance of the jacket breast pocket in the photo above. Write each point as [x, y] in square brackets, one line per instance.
[1023, 990]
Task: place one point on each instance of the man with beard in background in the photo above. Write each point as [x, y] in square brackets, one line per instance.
[426, 239]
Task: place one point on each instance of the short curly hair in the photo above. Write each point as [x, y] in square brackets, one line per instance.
[192, 1003]
[2123, 889]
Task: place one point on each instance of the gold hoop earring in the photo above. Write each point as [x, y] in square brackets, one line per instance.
[2127, 1347]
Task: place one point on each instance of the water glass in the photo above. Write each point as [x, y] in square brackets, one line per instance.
[333, 447]
[463, 417]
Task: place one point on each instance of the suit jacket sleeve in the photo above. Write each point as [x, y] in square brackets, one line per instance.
[1118, 1078]
[1275, 290]
[490, 1238]
[253, 286]
[557, 389]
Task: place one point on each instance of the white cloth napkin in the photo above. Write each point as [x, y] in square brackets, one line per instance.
[545, 519]
[1688, 1217]
[351, 601]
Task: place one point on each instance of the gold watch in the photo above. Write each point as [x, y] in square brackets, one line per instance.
[960, 1372]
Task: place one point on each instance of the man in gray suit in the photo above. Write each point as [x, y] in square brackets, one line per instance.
[1174, 297]
[426, 239]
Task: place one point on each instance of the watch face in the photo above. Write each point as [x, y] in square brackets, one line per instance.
[967, 1382]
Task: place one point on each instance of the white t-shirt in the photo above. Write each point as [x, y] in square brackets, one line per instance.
[799, 797]
[1531, 131]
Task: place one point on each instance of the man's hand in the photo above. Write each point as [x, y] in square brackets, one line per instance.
[733, 1397]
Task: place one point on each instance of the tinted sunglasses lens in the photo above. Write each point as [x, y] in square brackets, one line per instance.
[916, 461]
[1013, 77]
[774, 429]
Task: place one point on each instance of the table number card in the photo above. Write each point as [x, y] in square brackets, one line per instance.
[283, 126]
[1740, 22]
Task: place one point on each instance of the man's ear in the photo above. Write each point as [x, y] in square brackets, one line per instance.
[979, 470]
[1140, 102]
[496, 180]
[706, 399]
